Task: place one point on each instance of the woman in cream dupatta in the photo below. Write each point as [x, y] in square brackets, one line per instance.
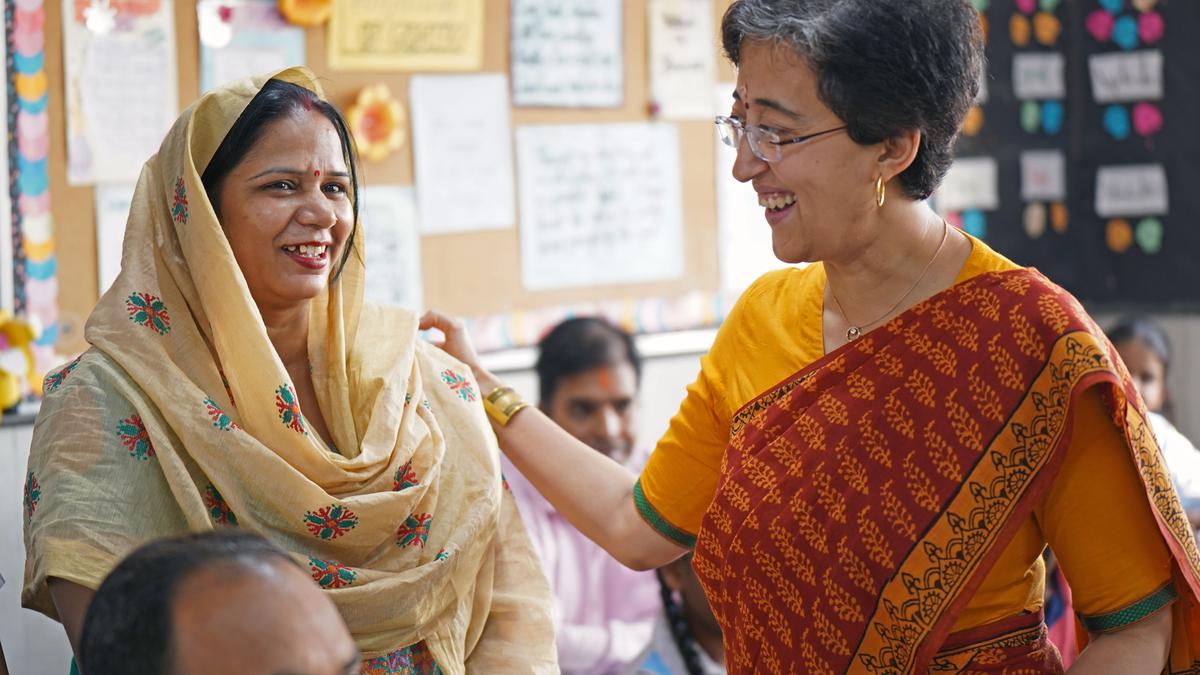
[181, 416]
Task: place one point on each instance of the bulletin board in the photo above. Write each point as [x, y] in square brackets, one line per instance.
[476, 273]
[1120, 256]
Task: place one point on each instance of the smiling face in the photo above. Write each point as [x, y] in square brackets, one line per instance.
[818, 194]
[286, 210]
[597, 407]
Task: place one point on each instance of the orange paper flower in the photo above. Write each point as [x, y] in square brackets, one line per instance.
[377, 122]
[306, 12]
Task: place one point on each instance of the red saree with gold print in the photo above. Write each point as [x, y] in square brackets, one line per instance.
[863, 500]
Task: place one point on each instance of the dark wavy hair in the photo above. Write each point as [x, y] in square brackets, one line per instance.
[275, 100]
[883, 67]
[578, 345]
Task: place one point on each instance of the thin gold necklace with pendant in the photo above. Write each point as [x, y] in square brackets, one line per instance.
[856, 331]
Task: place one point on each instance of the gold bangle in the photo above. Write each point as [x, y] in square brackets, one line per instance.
[502, 404]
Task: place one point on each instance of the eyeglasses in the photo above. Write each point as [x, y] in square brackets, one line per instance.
[766, 144]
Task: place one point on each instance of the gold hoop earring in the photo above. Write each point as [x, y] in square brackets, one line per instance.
[880, 191]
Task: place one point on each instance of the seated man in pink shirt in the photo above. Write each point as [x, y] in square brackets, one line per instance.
[588, 372]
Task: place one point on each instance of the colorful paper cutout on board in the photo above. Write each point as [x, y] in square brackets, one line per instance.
[1019, 30]
[1118, 235]
[1125, 32]
[974, 223]
[1060, 217]
[1046, 28]
[1116, 122]
[1099, 24]
[378, 122]
[1149, 235]
[1151, 27]
[1147, 119]
[1035, 220]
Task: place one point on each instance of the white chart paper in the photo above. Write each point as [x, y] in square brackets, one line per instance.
[682, 58]
[1131, 190]
[1119, 77]
[600, 204]
[462, 153]
[1038, 75]
[112, 212]
[1043, 175]
[393, 246]
[244, 37]
[971, 183]
[567, 53]
[122, 95]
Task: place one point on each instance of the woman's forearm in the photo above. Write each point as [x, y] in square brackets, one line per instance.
[1141, 648]
[590, 490]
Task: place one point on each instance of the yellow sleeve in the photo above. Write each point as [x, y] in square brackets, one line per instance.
[680, 479]
[1097, 519]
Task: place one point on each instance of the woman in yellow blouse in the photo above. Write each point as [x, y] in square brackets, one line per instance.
[879, 446]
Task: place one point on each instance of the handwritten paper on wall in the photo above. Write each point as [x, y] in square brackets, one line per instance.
[1119, 77]
[1131, 190]
[112, 211]
[600, 204]
[682, 58]
[567, 53]
[462, 154]
[244, 37]
[410, 35]
[389, 220]
[971, 183]
[121, 89]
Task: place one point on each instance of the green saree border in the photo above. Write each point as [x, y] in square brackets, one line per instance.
[656, 520]
[1132, 613]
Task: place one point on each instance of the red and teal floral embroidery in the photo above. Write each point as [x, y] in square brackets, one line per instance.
[459, 385]
[329, 574]
[33, 495]
[219, 419]
[330, 522]
[133, 435]
[504, 483]
[179, 207]
[442, 555]
[406, 477]
[218, 508]
[147, 310]
[414, 660]
[54, 380]
[289, 409]
[414, 531]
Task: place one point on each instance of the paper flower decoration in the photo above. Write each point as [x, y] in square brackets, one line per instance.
[306, 12]
[377, 122]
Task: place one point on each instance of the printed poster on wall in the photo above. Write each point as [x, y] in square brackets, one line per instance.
[600, 204]
[393, 264]
[121, 90]
[406, 35]
[683, 62]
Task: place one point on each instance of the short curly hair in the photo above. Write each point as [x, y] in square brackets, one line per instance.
[883, 66]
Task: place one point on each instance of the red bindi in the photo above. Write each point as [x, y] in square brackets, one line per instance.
[316, 173]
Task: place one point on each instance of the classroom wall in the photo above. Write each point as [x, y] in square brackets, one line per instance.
[467, 274]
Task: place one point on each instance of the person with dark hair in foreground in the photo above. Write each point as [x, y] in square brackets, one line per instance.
[236, 376]
[226, 602]
[589, 372]
[880, 445]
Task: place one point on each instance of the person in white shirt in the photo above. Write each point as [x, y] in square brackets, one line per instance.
[1146, 351]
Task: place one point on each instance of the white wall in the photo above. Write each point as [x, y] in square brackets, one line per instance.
[33, 644]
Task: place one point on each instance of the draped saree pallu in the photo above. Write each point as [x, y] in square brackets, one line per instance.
[181, 417]
[863, 500]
